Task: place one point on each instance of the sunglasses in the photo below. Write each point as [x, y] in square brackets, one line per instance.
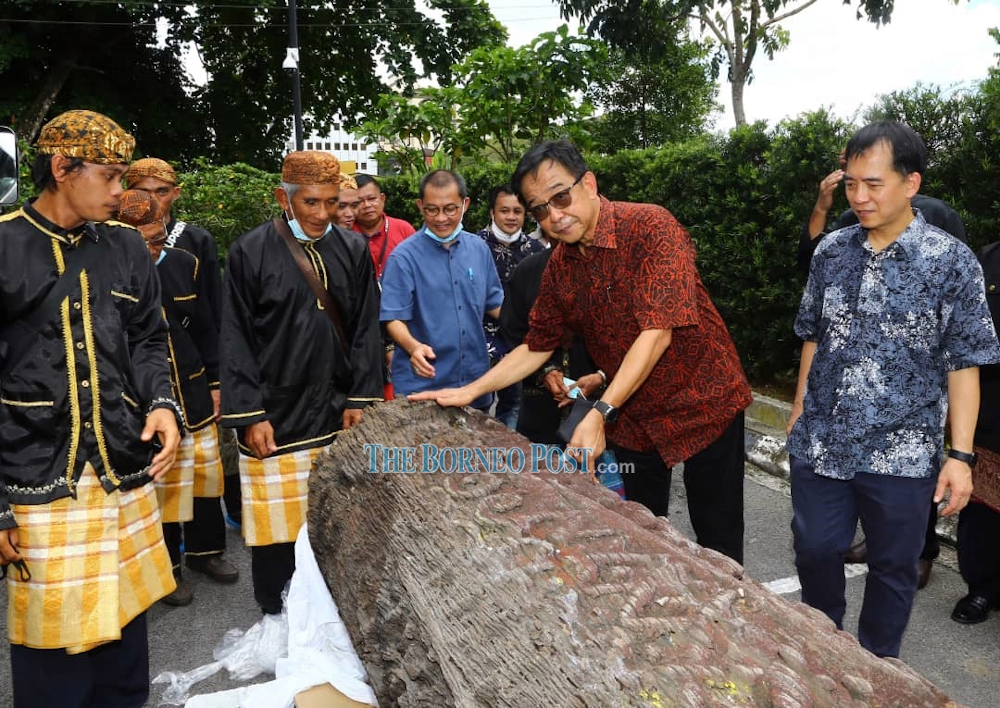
[560, 200]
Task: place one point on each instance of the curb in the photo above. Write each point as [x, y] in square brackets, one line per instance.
[764, 447]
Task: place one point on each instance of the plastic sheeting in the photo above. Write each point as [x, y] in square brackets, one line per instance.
[306, 645]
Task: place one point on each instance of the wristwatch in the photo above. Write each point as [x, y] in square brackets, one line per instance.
[970, 458]
[607, 411]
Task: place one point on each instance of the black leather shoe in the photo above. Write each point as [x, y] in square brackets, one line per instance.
[215, 567]
[182, 596]
[971, 609]
[924, 567]
[858, 553]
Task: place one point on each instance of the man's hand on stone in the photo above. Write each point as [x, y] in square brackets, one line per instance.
[445, 397]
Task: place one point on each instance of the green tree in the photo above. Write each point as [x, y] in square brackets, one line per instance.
[740, 28]
[652, 101]
[91, 53]
[409, 130]
[510, 98]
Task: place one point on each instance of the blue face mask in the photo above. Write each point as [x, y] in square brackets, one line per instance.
[297, 231]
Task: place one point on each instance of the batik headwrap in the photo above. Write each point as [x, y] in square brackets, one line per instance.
[347, 182]
[310, 167]
[139, 208]
[150, 167]
[90, 136]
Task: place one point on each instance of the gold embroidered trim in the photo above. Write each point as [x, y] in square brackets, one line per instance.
[243, 415]
[135, 404]
[27, 404]
[196, 374]
[74, 398]
[124, 296]
[183, 298]
[95, 383]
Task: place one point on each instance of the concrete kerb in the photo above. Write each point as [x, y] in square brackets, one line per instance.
[764, 445]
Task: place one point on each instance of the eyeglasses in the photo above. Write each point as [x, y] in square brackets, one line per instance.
[159, 191]
[560, 200]
[448, 209]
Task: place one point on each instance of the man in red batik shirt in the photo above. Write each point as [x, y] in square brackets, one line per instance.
[624, 277]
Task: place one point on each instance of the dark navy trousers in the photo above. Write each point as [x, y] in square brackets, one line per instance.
[112, 675]
[893, 513]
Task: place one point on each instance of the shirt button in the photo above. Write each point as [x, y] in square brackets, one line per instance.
[85, 383]
[87, 425]
[76, 306]
[79, 345]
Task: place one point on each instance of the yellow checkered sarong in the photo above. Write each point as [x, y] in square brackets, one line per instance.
[208, 479]
[175, 489]
[275, 496]
[96, 563]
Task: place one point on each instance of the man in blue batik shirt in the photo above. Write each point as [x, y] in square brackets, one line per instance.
[437, 287]
[895, 325]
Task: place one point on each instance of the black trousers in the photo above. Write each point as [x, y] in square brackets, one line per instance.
[232, 496]
[713, 480]
[204, 535]
[271, 567]
[978, 551]
[113, 675]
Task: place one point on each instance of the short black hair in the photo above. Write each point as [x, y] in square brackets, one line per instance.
[362, 180]
[41, 171]
[443, 178]
[909, 154]
[561, 152]
[497, 191]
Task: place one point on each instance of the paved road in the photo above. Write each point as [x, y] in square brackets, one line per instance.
[963, 661]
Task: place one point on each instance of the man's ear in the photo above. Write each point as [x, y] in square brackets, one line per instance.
[59, 165]
[282, 196]
[590, 183]
[913, 181]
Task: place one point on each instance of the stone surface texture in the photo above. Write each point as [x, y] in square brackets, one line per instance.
[542, 589]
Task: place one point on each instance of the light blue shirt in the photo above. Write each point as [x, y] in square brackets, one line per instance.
[442, 295]
[888, 328]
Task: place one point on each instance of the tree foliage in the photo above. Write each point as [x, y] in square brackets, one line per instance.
[740, 28]
[109, 56]
[652, 101]
[501, 100]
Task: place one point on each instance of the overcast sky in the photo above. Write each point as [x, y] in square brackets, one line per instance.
[834, 60]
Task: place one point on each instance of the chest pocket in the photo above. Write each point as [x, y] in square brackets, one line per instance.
[125, 297]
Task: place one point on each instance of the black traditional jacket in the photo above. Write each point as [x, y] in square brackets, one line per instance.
[200, 243]
[192, 336]
[281, 359]
[89, 376]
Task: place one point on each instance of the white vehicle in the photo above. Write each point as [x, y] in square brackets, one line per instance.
[8, 167]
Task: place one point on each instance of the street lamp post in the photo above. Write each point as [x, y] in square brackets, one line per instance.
[292, 62]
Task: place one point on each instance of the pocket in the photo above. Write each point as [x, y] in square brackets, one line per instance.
[27, 418]
[125, 297]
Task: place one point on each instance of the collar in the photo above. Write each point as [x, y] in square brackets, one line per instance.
[70, 236]
[906, 244]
